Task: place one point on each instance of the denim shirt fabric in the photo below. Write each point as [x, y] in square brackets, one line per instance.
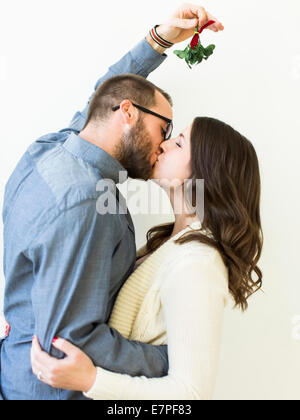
[64, 263]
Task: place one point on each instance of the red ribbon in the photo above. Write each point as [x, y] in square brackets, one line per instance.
[195, 41]
[196, 37]
[211, 22]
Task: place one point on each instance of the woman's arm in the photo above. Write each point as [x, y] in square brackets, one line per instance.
[193, 298]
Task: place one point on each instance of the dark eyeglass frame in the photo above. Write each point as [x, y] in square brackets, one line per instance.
[168, 131]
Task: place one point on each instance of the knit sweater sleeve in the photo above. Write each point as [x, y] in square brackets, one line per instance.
[193, 297]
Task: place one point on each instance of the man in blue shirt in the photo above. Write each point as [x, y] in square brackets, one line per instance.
[64, 262]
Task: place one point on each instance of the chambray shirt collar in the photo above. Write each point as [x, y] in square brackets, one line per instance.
[109, 167]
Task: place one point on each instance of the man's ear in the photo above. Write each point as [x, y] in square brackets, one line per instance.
[128, 112]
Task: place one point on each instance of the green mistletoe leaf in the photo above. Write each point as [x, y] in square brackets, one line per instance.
[180, 54]
[195, 55]
[209, 50]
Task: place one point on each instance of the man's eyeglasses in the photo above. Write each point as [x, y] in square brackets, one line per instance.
[167, 132]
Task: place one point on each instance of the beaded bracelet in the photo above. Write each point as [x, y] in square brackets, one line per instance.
[158, 39]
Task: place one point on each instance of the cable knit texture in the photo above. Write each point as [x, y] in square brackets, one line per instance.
[176, 297]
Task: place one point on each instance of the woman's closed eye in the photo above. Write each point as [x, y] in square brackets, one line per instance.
[180, 141]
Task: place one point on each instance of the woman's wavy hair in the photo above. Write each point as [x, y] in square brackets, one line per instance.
[228, 164]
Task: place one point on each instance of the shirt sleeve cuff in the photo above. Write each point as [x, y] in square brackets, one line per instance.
[146, 57]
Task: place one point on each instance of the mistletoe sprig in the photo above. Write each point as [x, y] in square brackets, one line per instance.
[195, 53]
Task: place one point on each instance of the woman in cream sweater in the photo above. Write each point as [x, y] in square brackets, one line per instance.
[186, 273]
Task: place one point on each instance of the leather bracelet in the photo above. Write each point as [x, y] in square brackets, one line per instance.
[158, 39]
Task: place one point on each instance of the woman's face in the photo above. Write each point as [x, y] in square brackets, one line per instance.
[173, 165]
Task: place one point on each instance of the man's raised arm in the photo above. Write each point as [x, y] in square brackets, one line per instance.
[141, 60]
[148, 55]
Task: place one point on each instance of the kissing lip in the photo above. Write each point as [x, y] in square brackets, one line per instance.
[155, 163]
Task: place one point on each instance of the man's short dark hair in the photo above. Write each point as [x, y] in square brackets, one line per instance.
[117, 89]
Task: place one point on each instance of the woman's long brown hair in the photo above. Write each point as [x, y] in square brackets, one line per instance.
[228, 164]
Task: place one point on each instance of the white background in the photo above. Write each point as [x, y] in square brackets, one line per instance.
[51, 55]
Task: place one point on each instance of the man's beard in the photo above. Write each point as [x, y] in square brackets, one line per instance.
[134, 152]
